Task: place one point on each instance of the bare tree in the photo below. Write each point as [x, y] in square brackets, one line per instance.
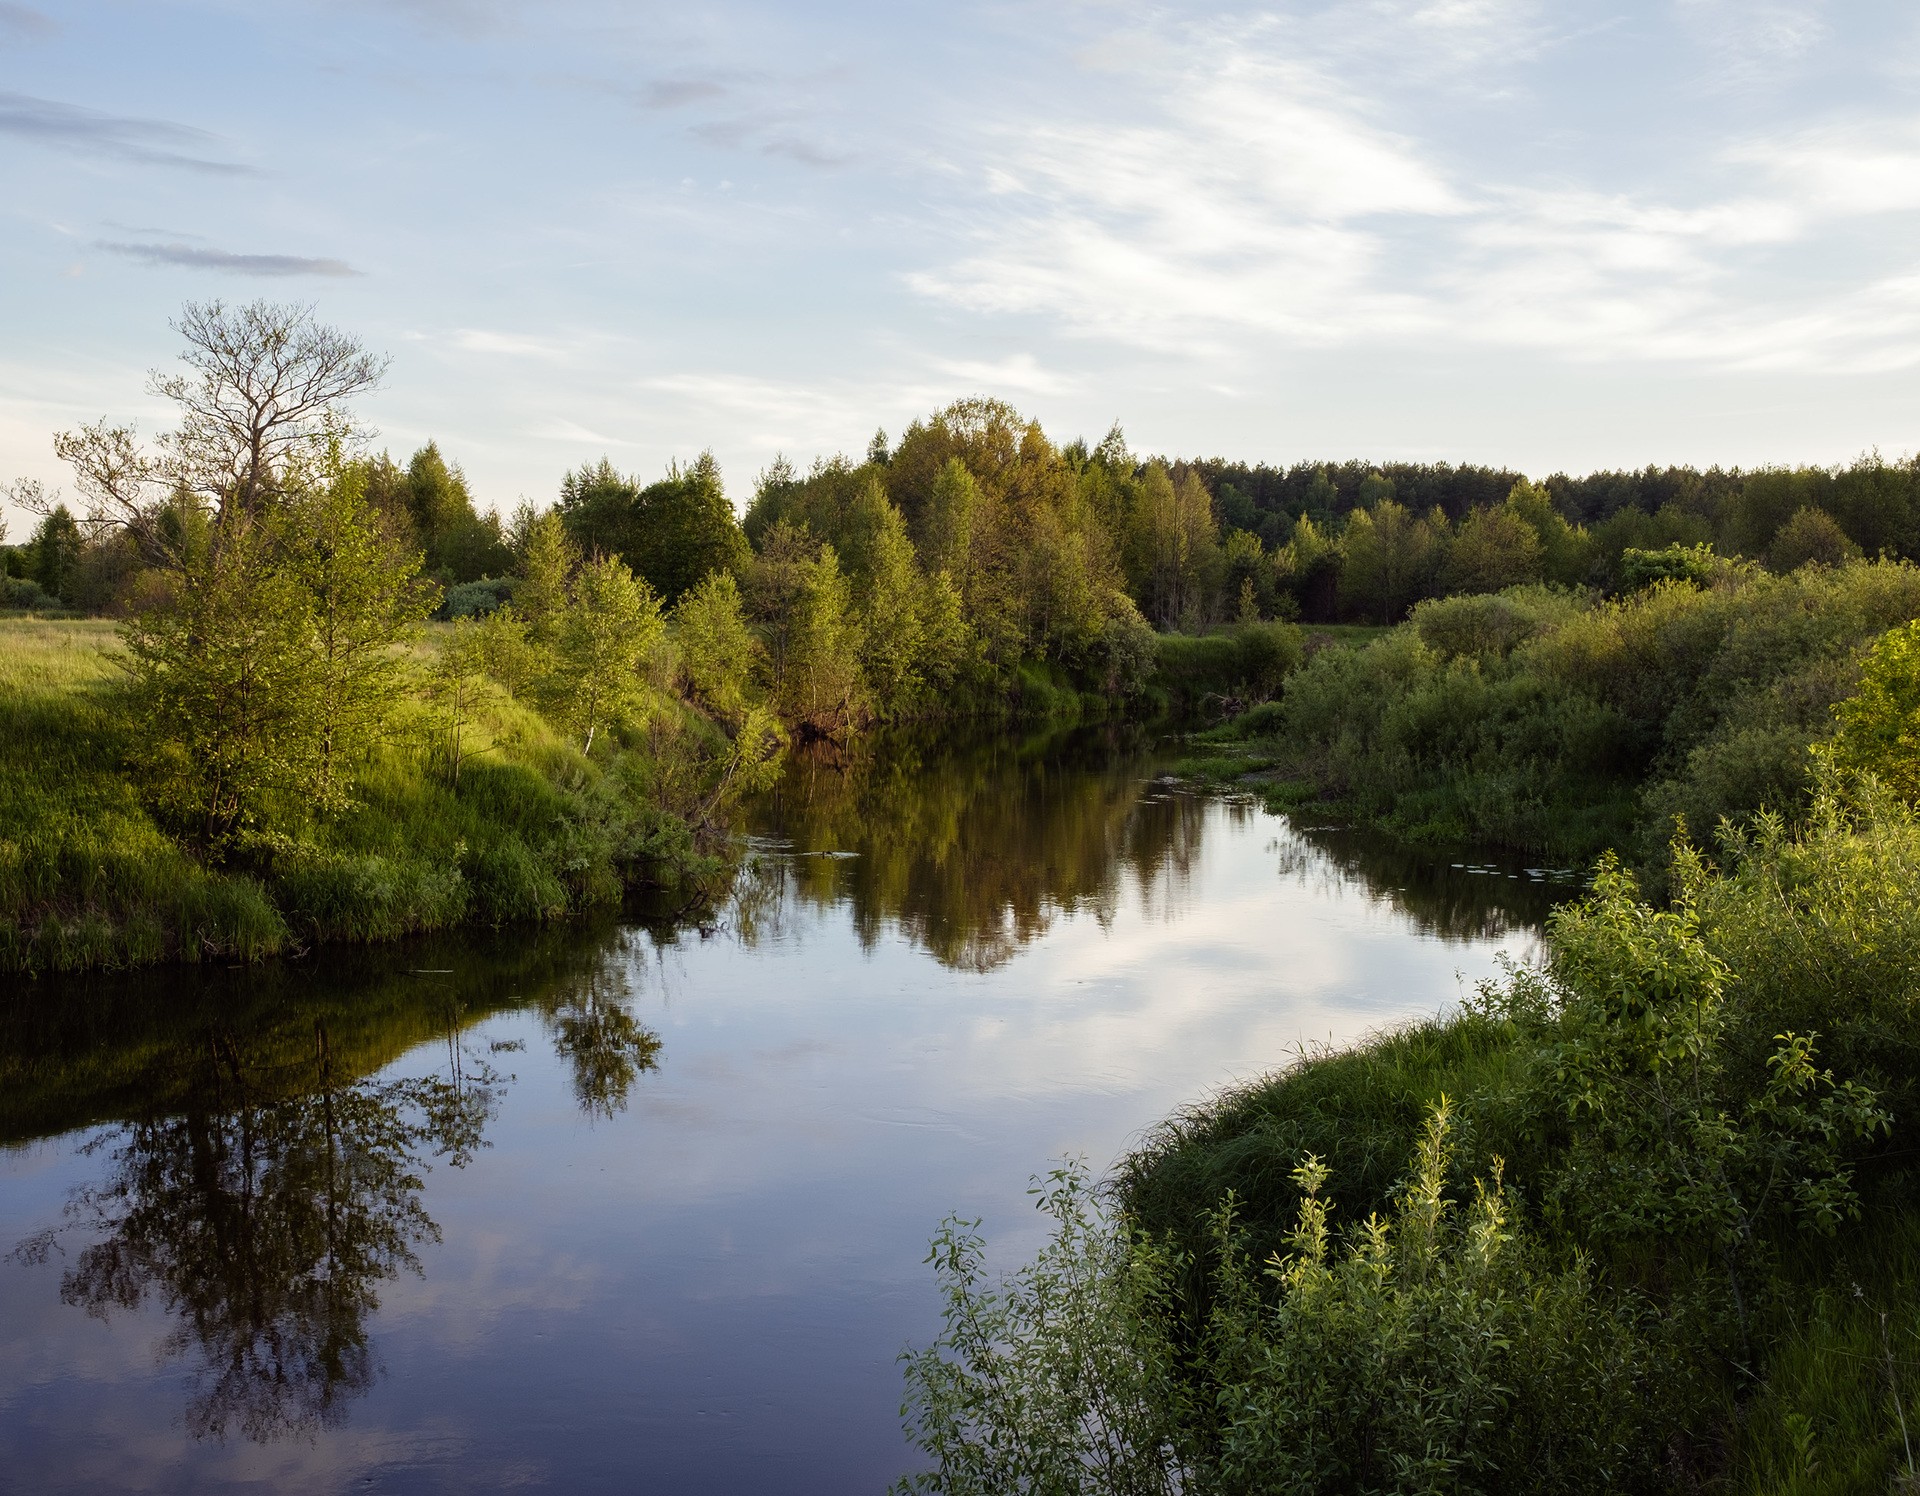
[263, 399]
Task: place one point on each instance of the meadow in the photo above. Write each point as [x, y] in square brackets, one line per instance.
[90, 877]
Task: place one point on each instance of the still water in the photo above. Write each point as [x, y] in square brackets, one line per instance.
[642, 1206]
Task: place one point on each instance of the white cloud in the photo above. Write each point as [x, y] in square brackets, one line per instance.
[1255, 190]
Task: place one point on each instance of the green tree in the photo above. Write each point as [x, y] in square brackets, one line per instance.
[364, 598]
[53, 554]
[1879, 725]
[460, 545]
[1181, 546]
[716, 646]
[603, 646]
[672, 532]
[820, 686]
[1811, 535]
[547, 561]
[1566, 550]
[1387, 560]
[1494, 549]
[891, 596]
[946, 535]
[225, 683]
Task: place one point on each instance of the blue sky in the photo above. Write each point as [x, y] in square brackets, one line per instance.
[1552, 235]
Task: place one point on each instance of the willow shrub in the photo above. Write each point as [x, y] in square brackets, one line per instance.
[1431, 1348]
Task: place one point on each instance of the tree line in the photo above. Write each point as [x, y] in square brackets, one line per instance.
[1050, 550]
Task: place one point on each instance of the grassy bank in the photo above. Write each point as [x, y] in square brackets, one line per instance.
[1556, 723]
[89, 878]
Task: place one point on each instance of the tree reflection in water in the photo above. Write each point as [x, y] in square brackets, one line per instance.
[595, 1031]
[264, 1222]
[971, 853]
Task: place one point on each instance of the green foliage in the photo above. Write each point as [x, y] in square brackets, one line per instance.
[717, 651]
[1548, 720]
[363, 599]
[1244, 665]
[1495, 549]
[476, 599]
[53, 554]
[1058, 1380]
[1810, 537]
[1434, 1349]
[602, 648]
[1878, 727]
[1694, 564]
[226, 686]
[670, 533]
[1388, 558]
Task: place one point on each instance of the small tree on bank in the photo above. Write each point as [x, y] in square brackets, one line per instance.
[263, 659]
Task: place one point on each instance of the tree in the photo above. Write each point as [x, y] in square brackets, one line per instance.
[364, 598]
[1879, 725]
[263, 406]
[1566, 550]
[548, 558]
[1494, 549]
[889, 616]
[672, 532]
[460, 545]
[1181, 544]
[53, 554]
[717, 648]
[946, 536]
[821, 686]
[1810, 536]
[265, 655]
[1387, 559]
[225, 683]
[603, 644]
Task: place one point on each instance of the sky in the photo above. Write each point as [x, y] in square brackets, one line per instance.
[1557, 236]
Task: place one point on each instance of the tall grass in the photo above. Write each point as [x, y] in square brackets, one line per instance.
[89, 879]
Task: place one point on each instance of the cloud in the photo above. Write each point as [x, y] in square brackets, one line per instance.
[1261, 186]
[19, 23]
[199, 257]
[769, 137]
[147, 142]
[676, 93]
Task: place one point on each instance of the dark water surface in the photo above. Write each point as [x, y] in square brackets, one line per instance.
[643, 1208]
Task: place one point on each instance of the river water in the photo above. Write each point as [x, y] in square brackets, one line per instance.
[642, 1205]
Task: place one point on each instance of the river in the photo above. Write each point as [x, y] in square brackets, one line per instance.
[642, 1204]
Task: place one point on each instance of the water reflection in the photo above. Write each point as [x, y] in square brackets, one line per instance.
[594, 1029]
[264, 1226]
[1445, 892]
[972, 852]
[274, 1179]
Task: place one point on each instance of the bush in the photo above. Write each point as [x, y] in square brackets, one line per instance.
[475, 599]
[1695, 565]
[28, 595]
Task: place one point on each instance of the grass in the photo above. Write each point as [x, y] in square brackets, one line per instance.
[90, 880]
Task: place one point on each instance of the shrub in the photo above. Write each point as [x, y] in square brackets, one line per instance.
[476, 599]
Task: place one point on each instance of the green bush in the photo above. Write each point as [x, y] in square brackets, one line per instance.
[1545, 721]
